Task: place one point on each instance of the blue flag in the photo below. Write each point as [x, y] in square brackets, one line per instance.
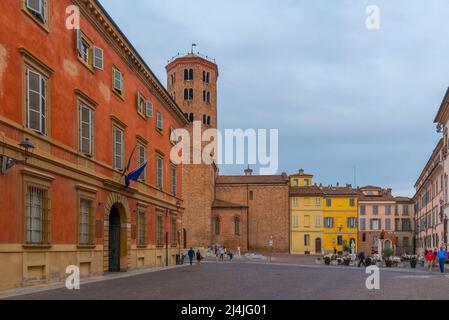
[134, 175]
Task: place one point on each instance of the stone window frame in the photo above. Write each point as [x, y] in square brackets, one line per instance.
[83, 100]
[159, 228]
[142, 210]
[31, 178]
[33, 63]
[44, 22]
[88, 194]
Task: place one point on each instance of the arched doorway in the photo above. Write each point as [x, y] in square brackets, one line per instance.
[318, 246]
[114, 239]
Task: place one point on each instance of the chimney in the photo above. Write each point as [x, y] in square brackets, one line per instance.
[301, 171]
[248, 172]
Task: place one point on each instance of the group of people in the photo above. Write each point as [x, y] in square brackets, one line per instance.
[432, 257]
[191, 254]
[221, 252]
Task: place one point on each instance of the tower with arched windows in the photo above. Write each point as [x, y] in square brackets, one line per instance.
[192, 82]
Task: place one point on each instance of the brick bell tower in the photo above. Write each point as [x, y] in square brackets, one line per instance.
[192, 82]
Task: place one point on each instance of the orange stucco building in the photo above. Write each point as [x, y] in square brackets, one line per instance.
[85, 99]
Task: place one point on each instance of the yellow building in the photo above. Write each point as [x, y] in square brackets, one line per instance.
[340, 215]
[306, 215]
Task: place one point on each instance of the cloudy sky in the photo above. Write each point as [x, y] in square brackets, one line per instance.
[341, 95]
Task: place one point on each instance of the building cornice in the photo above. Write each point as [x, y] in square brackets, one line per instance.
[100, 19]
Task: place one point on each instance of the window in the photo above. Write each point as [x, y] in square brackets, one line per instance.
[306, 182]
[86, 129]
[375, 224]
[295, 182]
[142, 159]
[173, 78]
[307, 221]
[160, 172]
[363, 224]
[295, 221]
[406, 225]
[364, 237]
[362, 210]
[174, 183]
[141, 228]
[36, 98]
[340, 240]
[38, 215]
[86, 222]
[318, 201]
[90, 55]
[295, 201]
[251, 195]
[159, 121]
[328, 202]
[38, 9]
[208, 97]
[217, 226]
[307, 240]
[352, 202]
[173, 232]
[328, 222]
[188, 74]
[159, 230]
[118, 148]
[396, 210]
[206, 77]
[376, 209]
[117, 81]
[352, 222]
[141, 104]
[387, 224]
[318, 222]
[405, 210]
[237, 226]
[388, 210]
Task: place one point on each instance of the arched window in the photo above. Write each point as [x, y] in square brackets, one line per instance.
[208, 121]
[191, 117]
[208, 97]
[217, 226]
[237, 226]
[186, 94]
[191, 74]
[186, 74]
[204, 119]
[204, 76]
[190, 94]
[204, 95]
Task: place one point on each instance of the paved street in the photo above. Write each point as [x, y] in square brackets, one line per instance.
[249, 280]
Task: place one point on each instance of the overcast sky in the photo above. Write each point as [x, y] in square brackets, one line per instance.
[341, 95]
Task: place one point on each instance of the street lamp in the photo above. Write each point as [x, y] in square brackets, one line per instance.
[7, 163]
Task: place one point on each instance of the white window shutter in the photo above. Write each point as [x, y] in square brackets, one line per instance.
[79, 41]
[35, 6]
[149, 109]
[98, 58]
[43, 9]
[138, 98]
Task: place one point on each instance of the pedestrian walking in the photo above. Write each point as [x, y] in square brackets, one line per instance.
[222, 253]
[231, 254]
[430, 259]
[191, 254]
[362, 259]
[199, 257]
[442, 257]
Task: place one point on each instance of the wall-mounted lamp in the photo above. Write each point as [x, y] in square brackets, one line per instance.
[7, 163]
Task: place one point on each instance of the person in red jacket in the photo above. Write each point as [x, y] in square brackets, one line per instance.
[430, 259]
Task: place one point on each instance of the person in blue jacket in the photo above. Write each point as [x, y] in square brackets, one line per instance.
[191, 255]
[442, 257]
